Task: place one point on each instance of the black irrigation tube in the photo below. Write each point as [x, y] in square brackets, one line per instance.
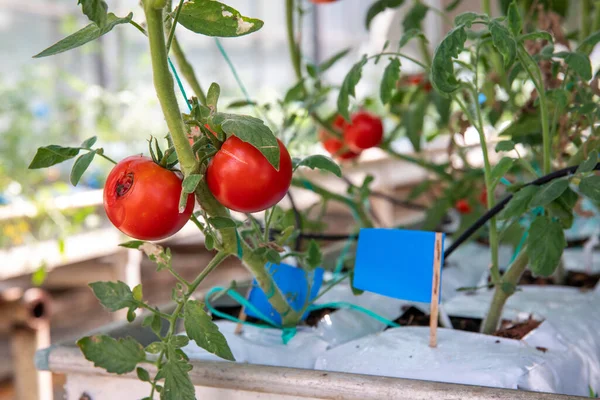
[476, 225]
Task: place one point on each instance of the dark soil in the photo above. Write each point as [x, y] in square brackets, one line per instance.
[573, 279]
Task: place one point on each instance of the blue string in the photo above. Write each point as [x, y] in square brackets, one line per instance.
[179, 83]
[505, 181]
[242, 301]
[233, 70]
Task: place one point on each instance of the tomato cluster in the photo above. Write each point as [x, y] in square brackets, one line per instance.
[362, 132]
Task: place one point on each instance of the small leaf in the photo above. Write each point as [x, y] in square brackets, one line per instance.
[222, 222]
[113, 295]
[519, 204]
[578, 62]
[212, 18]
[468, 18]
[190, 183]
[95, 10]
[590, 187]
[178, 385]
[389, 80]
[515, 22]
[348, 88]
[179, 341]
[537, 35]
[588, 44]
[409, 35]
[500, 169]
[589, 164]
[562, 208]
[380, 6]
[50, 155]
[413, 119]
[88, 143]
[325, 65]
[85, 35]
[115, 356]
[321, 162]
[142, 374]
[209, 242]
[241, 103]
[202, 330]
[131, 314]
[296, 93]
[155, 347]
[415, 16]
[504, 43]
[443, 75]
[545, 245]
[137, 292]
[505, 145]
[314, 257]
[212, 96]
[80, 166]
[251, 130]
[132, 244]
[549, 192]
[273, 256]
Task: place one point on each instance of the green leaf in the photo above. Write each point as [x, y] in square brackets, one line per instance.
[85, 35]
[500, 169]
[190, 183]
[519, 204]
[562, 208]
[251, 130]
[314, 257]
[273, 256]
[389, 80]
[154, 322]
[414, 16]
[113, 295]
[241, 103]
[505, 145]
[296, 93]
[50, 155]
[413, 119]
[95, 10]
[549, 192]
[589, 164]
[179, 341]
[321, 162]
[409, 35]
[443, 76]
[537, 35]
[39, 275]
[80, 166]
[348, 88]
[588, 44]
[178, 385]
[578, 62]
[212, 18]
[155, 347]
[137, 292]
[115, 356]
[88, 143]
[325, 65]
[468, 18]
[142, 374]
[515, 22]
[590, 187]
[380, 6]
[212, 96]
[545, 245]
[200, 328]
[453, 5]
[132, 244]
[222, 222]
[504, 43]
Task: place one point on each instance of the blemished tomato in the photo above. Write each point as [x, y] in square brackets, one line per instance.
[335, 146]
[141, 199]
[463, 206]
[242, 179]
[365, 131]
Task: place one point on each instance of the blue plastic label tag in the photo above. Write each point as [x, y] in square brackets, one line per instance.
[396, 263]
[293, 283]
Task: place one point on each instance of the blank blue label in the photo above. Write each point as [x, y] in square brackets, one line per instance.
[396, 263]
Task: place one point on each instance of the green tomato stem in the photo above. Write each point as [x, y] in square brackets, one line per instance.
[585, 25]
[596, 26]
[173, 26]
[486, 7]
[293, 46]
[417, 161]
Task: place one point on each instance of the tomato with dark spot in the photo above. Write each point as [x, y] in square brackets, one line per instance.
[242, 179]
[463, 206]
[334, 145]
[141, 199]
[365, 131]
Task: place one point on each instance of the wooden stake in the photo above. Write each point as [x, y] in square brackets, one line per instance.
[435, 290]
[242, 317]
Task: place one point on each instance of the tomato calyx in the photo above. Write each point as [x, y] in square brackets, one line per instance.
[124, 184]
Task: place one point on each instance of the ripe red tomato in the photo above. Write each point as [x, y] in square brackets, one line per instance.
[335, 146]
[365, 131]
[483, 197]
[141, 199]
[463, 206]
[419, 80]
[242, 179]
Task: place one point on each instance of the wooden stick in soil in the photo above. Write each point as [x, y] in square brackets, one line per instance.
[435, 290]
[239, 328]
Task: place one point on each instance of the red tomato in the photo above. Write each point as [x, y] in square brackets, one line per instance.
[463, 206]
[242, 179]
[334, 145]
[419, 80]
[141, 199]
[365, 131]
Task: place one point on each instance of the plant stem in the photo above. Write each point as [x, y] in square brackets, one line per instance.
[165, 89]
[584, 25]
[173, 26]
[294, 49]
[268, 222]
[101, 154]
[486, 7]
[425, 51]
[596, 26]
[511, 277]
[154, 311]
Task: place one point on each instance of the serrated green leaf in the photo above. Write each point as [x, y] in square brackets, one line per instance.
[378, 7]
[132, 244]
[296, 93]
[212, 18]
[413, 119]
[177, 385]
[468, 18]
[88, 143]
[537, 35]
[549, 192]
[389, 80]
[85, 35]
[589, 164]
[348, 88]
[251, 130]
[321, 162]
[113, 295]
[504, 43]
[410, 34]
[50, 155]
[414, 17]
[515, 22]
[505, 145]
[590, 187]
[200, 328]
[562, 208]
[222, 222]
[578, 62]
[95, 10]
[212, 96]
[325, 65]
[443, 76]
[500, 169]
[519, 204]
[115, 356]
[314, 257]
[545, 245]
[80, 166]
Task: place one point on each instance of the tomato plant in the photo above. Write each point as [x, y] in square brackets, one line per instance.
[365, 131]
[242, 179]
[141, 199]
